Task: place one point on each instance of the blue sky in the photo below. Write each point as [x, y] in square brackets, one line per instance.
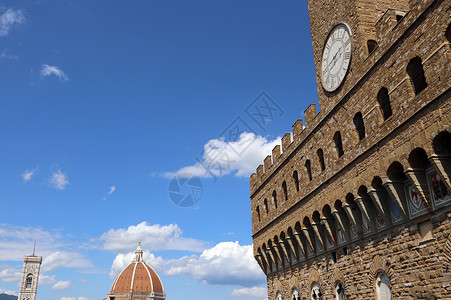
[104, 102]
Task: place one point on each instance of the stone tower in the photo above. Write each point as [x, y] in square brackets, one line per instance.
[30, 275]
[356, 202]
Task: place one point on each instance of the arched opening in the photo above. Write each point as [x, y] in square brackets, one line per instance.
[309, 169]
[296, 180]
[372, 45]
[317, 294]
[384, 102]
[418, 159]
[285, 190]
[340, 291]
[442, 143]
[258, 212]
[279, 296]
[416, 73]
[274, 198]
[396, 172]
[320, 154]
[265, 204]
[359, 125]
[29, 281]
[448, 33]
[383, 290]
[338, 144]
[295, 295]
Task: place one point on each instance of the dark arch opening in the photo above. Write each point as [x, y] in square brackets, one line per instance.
[442, 143]
[265, 203]
[320, 154]
[359, 125]
[316, 217]
[285, 190]
[338, 143]
[274, 198]
[258, 212]
[296, 180]
[416, 74]
[396, 172]
[448, 33]
[376, 183]
[418, 159]
[309, 169]
[384, 102]
[372, 45]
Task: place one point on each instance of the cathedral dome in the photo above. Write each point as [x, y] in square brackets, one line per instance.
[138, 278]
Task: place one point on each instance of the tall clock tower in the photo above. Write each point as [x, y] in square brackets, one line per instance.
[30, 275]
[343, 36]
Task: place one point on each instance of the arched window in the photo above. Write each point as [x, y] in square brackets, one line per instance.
[317, 294]
[338, 144]
[285, 190]
[340, 291]
[309, 169]
[320, 154]
[416, 74]
[384, 102]
[383, 291]
[371, 44]
[274, 198]
[258, 212]
[296, 180]
[29, 281]
[279, 296]
[295, 295]
[448, 33]
[359, 126]
[265, 204]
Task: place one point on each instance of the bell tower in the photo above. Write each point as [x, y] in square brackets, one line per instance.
[359, 18]
[30, 275]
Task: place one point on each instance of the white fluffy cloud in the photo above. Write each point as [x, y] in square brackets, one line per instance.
[59, 180]
[61, 285]
[8, 292]
[74, 298]
[153, 237]
[27, 174]
[47, 70]
[66, 259]
[9, 19]
[225, 263]
[9, 274]
[240, 157]
[253, 293]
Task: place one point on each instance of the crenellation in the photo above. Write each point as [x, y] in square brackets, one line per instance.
[298, 129]
[309, 115]
[267, 163]
[286, 142]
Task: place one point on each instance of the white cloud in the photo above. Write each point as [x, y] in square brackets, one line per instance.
[8, 292]
[61, 285]
[112, 189]
[46, 279]
[153, 237]
[240, 157]
[74, 298]
[5, 55]
[252, 293]
[9, 19]
[27, 174]
[123, 260]
[66, 259]
[59, 180]
[9, 274]
[47, 70]
[227, 263]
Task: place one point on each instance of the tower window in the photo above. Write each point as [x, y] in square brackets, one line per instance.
[372, 45]
[265, 204]
[340, 292]
[285, 191]
[296, 180]
[359, 126]
[317, 294]
[258, 212]
[320, 154]
[274, 198]
[383, 291]
[309, 169]
[416, 74]
[29, 281]
[448, 33]
[338, 144]
[384, 102]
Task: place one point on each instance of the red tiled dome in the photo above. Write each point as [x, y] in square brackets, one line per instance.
[138, 277]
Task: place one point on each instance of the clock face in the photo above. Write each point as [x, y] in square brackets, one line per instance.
[336, 57]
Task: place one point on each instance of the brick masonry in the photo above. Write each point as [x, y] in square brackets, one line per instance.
[413, 252]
